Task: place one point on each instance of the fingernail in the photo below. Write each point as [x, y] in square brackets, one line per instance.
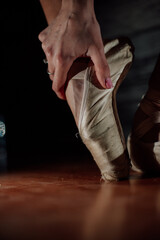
[108, 83]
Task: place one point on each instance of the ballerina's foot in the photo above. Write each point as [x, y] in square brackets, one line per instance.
[95, 112]
[144, 140]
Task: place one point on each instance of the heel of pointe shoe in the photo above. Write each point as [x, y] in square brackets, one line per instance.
[145, 157]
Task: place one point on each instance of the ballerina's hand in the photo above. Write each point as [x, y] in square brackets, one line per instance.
[69, 36]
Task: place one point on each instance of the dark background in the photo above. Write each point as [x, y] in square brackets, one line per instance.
[37, 122]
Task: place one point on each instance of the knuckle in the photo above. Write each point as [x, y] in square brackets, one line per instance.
[47, 49]
[40, 36]
[59, 59]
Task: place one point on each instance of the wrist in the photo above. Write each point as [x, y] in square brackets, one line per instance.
[83, 7]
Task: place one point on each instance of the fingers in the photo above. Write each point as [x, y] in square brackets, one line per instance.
[42, 36]
[101, 66]
[58, 66]
[60, 76]
[51, 67]
[49, 52]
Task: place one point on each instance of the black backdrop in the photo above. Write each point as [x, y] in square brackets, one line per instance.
[37, 121]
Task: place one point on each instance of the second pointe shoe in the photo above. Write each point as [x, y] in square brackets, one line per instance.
[144, 140]
[144, 150]
[95, 112]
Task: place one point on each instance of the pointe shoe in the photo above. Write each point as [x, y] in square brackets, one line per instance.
[144, 150]
[95, 112]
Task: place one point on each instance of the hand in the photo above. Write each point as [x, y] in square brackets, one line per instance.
[69, 36]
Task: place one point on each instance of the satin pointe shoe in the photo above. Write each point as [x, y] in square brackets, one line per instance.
[95, 111]
[144, 140]
[144, 150]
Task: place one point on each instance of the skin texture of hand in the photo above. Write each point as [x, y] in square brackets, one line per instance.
[69, 36]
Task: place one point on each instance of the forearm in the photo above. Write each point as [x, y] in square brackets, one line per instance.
[51, 8]
[78, 5]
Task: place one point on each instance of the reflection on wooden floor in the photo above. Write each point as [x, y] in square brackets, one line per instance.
[69, 202]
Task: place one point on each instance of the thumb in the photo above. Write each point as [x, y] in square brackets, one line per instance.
[101, 66]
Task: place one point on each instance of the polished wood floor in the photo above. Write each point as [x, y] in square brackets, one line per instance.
[68, 201]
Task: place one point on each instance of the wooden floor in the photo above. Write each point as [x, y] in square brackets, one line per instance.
[69, 202]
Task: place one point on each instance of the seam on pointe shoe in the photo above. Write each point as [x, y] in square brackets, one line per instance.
[84, 97]
[114, 101]
[82, 103]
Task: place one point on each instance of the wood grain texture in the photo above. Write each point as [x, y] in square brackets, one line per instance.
[68, 202]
